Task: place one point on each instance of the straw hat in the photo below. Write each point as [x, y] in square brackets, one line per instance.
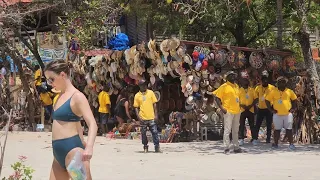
[158, 95]
[187, 59]
[173, 43]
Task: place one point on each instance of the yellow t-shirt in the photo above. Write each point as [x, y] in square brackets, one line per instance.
[261, 93]
[228, 93]
[55, 99]
[281, 100]
[145, 103]
[247, 98]
[104, 100]
[46, 99]
[37, 77]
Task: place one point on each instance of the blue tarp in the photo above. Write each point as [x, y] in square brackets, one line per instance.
[119, 42]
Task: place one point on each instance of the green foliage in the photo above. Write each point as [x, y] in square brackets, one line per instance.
[86, 18]
[21, 171]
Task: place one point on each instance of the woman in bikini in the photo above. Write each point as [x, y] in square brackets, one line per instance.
[67, 134]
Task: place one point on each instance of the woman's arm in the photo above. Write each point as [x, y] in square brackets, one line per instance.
[126, 105]
[84, 110]
[80, 132]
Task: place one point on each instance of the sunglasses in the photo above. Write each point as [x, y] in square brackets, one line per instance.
[50, 80]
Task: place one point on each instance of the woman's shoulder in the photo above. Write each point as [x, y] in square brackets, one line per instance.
[78, 96]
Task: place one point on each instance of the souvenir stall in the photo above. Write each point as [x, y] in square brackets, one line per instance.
[183, 76]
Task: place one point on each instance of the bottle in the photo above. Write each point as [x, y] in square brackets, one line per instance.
[76, 167]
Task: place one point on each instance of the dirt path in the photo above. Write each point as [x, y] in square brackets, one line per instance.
[123, 159]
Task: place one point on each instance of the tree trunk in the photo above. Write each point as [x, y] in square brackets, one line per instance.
[279, 24]
[304, 39]
[239, 33]
[30, 100]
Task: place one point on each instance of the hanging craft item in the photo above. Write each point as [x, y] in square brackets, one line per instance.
[289, 63]
[256, 60]
[221, 57]
[241, 59]
[231, 57]
[273, 62]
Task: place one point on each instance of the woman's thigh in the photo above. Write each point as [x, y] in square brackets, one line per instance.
[57, 172]
[70, 156]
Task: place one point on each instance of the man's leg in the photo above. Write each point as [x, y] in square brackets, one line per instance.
[269, 125]
[250, 117]
[260, 116]
[278, 124]
[288, 122]
[144, 135]
[235, 131]
[243, 117]
[155, 136]
[102, 125]
[227, 130]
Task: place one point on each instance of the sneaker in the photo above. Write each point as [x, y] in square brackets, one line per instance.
[157, 150]
[268, 141]
[241, 142]
[275, 146]
[239, 150]
[292, 147]
[227, 151]
[255, 142]
[145, 149]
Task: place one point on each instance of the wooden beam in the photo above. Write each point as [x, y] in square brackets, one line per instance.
[270, 51]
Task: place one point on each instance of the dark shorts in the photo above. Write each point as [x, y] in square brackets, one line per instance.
[104, 118]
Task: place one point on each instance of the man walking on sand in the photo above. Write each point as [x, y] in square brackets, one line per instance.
[146, 110]
[227, 98]
[283, 101]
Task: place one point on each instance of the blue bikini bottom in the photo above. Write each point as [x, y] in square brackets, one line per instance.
[61, 147]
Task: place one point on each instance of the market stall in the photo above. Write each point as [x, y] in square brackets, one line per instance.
[183, 76]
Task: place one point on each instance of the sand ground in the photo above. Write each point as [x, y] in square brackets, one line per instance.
[123, 160]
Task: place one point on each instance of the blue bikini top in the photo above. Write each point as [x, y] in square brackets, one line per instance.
[64, 113]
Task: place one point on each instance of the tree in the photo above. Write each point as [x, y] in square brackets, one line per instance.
[279, 24]
[307, 13]
[84, 19]
[12, 20]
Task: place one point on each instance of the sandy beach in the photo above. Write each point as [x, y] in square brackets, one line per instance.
[124, 159]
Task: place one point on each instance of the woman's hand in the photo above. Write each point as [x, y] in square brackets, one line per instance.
[87, 154]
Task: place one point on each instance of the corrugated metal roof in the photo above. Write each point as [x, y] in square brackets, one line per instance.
[11, 2]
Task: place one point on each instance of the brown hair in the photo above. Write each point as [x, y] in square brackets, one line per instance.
[58, 66]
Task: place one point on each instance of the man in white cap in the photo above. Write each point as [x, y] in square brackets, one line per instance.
[227, 98]
[146, 110]
[282, 102]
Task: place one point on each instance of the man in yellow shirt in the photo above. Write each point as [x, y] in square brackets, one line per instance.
[261, 91]
[37, 77]
[282, 103]
[247, 110]
[46, 99]
[104, 109]
[146, 110]
[227, 98]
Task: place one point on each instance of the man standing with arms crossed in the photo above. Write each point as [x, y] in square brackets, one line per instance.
[227, 98]
[146, 110]
[283, 101]
[261, 92]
